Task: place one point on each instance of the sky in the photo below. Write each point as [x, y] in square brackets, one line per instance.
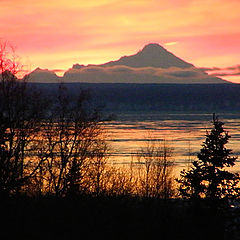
[57, 34]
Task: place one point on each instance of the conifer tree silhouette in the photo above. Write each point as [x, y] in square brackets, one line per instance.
[208, 177]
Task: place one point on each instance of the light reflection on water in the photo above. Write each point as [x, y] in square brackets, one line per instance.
[184, 132]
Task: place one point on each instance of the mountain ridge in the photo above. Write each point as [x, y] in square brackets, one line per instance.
[152, 64]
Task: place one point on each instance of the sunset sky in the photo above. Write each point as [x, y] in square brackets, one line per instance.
[57, 34]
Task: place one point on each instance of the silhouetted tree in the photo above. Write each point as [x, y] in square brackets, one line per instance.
[156, 174]
[208, 177]
[73, 148]
[122, 181]
[4, 177]
[21, 111]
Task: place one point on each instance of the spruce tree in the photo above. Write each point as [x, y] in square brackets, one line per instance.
[208, 177]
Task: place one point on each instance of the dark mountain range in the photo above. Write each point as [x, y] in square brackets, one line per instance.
[152, 65]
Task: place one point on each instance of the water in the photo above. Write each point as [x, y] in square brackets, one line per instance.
[184, 132]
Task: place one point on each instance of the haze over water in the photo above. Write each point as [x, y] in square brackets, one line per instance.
[185, 133]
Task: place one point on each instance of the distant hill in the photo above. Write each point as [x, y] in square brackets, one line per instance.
[152, 65]
[43, 76]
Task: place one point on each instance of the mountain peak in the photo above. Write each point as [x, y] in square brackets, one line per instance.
[152, 47]
[152, 55]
